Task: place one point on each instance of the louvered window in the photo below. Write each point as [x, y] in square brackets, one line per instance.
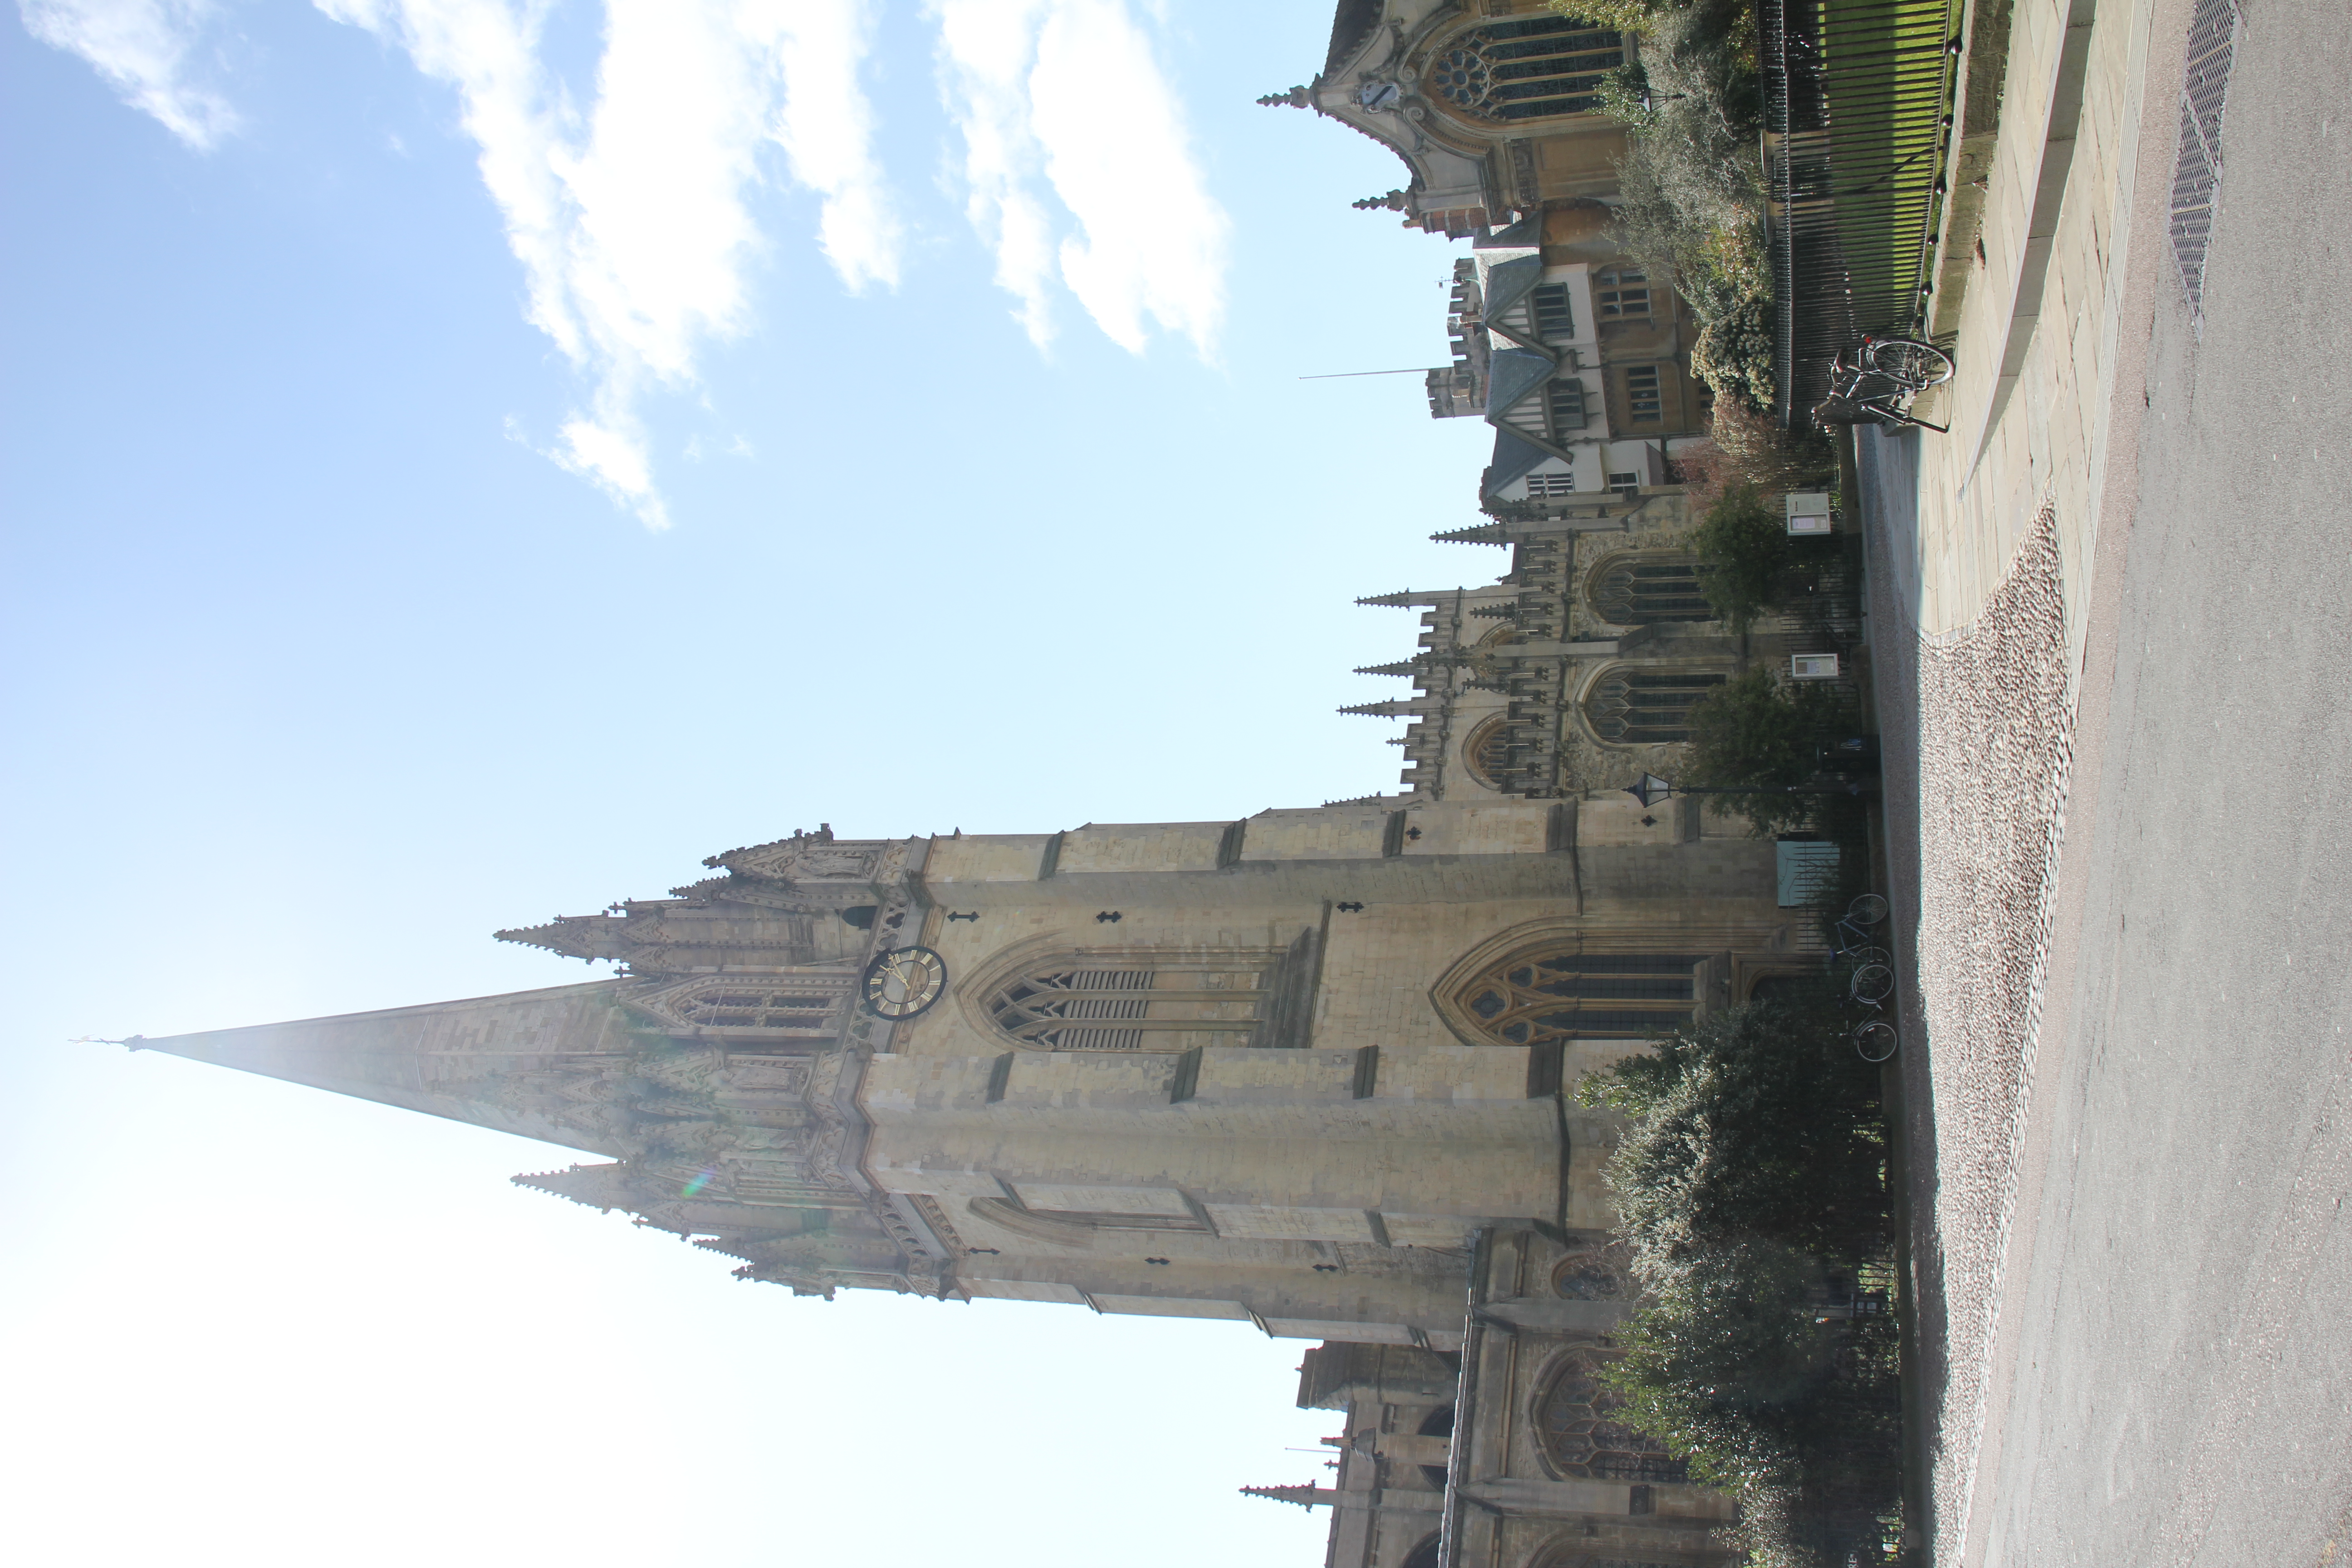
[1174, 1005]
[1540, 486]
[760, 1008]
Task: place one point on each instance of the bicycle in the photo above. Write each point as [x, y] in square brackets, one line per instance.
[1854, 942]
[1893, 371]
[1872, 979]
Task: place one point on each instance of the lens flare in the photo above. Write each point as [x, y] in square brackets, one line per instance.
[696, 1185]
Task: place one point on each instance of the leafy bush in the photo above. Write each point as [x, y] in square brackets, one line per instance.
[1754, 448]
[1691, 183]
[1753, 1169]
[1733, 354]
[1756, 1126]
[1755, 731]
[1624, 15]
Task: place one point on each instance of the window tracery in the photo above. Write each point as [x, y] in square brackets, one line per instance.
[1643, 589]
[1488, 751]
[1635, 707]
[1592, 1273]
[1558, 992]
[1581, 1439]
[795, 1006]
[1532, 67]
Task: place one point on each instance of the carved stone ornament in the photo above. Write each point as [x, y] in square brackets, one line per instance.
[807, 859]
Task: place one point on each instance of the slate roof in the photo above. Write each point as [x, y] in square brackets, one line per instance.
[1512, 458]
[1351, 25]
[1525, 235]
[1509, 283]
[1511, 374]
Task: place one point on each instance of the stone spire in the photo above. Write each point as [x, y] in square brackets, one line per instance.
[1307, 1496]
[473, 1061]
[585, 936]
[1294, 98]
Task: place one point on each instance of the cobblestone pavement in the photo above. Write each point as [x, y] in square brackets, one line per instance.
[1995, 733]
[1973, 838]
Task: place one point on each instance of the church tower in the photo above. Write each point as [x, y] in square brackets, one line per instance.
[1277, 1070]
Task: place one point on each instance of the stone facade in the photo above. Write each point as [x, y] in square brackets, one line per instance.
[1504, 1454]
[1489, 103]
[1309, 1072]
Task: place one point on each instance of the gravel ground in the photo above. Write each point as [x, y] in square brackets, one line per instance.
[1972, 840]
[1996, 720]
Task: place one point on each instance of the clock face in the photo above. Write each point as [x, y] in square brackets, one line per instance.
[904, 981]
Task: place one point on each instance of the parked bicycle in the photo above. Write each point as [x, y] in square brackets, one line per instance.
[1871, 980]
[1875, 382]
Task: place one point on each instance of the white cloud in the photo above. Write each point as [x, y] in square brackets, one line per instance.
[141, 47]
[825, 127]
[631, 222]
[1070, 94]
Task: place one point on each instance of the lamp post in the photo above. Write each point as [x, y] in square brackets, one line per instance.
[1653, 789]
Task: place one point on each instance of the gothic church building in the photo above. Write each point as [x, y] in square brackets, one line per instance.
[1310, 1072]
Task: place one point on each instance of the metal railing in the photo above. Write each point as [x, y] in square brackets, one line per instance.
[1857, 107]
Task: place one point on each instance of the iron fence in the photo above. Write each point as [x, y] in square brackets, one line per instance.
[1857, 115]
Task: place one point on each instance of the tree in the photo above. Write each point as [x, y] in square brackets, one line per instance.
[1755, 732]
[1746, 546]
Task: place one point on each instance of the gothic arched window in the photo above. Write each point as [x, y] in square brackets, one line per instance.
[1579, 1438]
[1529, 69]
[1633, 707]
[1487, 752]
[1641, 590]
[1140, 1000]
[1559, 992]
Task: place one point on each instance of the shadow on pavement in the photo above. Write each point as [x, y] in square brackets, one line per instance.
[1886, 470]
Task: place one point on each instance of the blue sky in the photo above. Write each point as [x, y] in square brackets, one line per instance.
[465, 464]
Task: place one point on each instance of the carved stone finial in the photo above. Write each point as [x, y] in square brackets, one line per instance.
[1294, 98]
[1394, 202]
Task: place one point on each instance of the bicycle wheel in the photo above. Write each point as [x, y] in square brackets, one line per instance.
[1876, 1041]
[1910, 361]
[1871, 982]
[1867, 910]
